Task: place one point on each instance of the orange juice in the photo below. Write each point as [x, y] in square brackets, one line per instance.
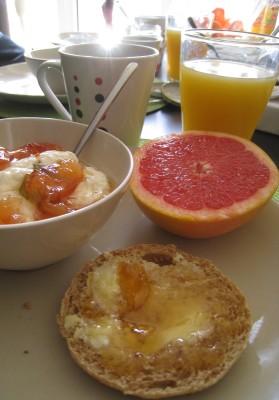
[224, 96]
[173, 38]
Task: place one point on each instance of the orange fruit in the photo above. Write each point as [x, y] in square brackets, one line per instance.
[202, 184]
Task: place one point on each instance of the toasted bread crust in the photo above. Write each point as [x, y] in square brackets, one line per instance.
[178, 368]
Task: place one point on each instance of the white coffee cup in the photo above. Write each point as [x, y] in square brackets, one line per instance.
[34, 58]
[144, 40]
[90, 71]
[156, 42]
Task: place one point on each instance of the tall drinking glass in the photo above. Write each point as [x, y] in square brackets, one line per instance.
[175, 25]
[226, 79]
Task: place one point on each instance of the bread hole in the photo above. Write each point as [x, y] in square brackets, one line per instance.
[164, 384]
[159, 258]
[76, 310]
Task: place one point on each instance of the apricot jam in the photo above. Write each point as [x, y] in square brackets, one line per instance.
[48, 187]
[140, 315]
[39, 181]
[6, 156]
[10, 210]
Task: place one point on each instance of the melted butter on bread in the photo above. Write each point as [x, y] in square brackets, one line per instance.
[126, 307]
[154, 321]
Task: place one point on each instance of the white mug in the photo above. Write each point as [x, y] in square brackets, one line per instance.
[156, 42]
[144, 40]
[90, 71]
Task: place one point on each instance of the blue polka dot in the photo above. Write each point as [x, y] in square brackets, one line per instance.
[99, 98]
[79, 113]
[76, 89]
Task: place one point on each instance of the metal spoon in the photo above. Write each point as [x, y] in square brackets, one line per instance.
[126, 74]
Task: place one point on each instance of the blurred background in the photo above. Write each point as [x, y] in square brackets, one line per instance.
[32, 23]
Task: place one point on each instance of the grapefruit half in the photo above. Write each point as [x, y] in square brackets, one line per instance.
[202, 184]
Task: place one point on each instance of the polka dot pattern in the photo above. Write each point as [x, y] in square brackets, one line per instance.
[98, 97]
[79, 113]
[98, 81]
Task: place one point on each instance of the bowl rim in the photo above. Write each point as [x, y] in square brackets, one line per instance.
[29, 54]
[113, 193]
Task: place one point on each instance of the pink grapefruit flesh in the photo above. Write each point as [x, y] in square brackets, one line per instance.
[202, 184]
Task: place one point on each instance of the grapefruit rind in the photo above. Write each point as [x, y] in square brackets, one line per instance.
[203, 223]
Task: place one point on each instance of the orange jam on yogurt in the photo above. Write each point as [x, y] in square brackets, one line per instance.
[39, 181]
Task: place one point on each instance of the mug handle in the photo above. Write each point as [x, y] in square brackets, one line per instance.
[44, 85]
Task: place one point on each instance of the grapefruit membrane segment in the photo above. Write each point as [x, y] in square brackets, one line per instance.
[202, 184]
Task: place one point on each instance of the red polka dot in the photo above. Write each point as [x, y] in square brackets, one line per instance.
[78, 102]
[75, 77]
[98, 81]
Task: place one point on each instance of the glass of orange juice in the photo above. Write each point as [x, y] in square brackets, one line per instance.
[174, 27]
[226, 79]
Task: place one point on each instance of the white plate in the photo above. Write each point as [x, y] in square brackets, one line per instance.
[17, 83]
[35, 362]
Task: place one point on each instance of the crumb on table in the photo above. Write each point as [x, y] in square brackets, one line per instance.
[26, 305]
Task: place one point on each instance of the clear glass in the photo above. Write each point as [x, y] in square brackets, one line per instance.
[175, 25]
[226, 79]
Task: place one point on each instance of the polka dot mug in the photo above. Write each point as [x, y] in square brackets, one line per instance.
[90, 71]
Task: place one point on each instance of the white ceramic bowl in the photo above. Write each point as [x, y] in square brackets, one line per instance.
[37, 244]
[35, 58]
